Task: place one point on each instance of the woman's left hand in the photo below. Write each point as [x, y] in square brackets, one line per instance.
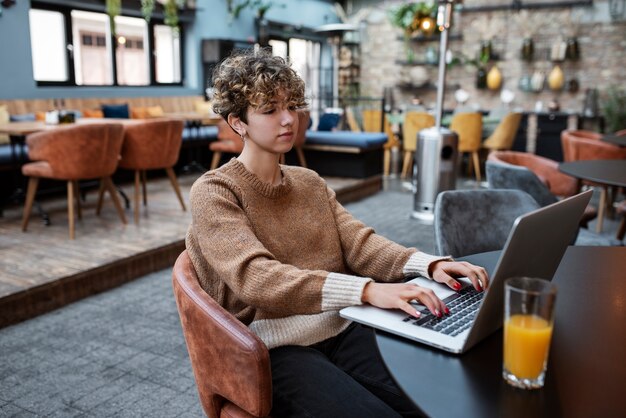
[446, 271]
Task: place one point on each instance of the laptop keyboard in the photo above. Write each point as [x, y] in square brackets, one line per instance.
[463, 306]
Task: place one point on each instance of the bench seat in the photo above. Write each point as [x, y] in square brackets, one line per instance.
[345, 153]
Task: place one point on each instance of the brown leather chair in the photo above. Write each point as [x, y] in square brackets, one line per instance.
[231, 364]
[544, 186]
[150, 145]
[227, 141]
[73, 153]
[587, 146]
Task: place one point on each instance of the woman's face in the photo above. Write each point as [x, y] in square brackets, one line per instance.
[271, 128]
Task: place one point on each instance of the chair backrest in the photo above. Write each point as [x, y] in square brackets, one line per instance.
[568, 151]
[469, 128]
[231, 364]
[227, 139]
[79, 151]
[501, 175]
[475, 221]
[150, 144]
[353, 124]
[586, 147]
[504, 134]
[413, 123]
[371, 123]
[545, 169]
[304, 116]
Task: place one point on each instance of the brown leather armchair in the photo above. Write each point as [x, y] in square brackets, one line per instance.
[569, 153]
[545, 169]
[231, 364]
[227, 141]
[149, 145]
[73, 153]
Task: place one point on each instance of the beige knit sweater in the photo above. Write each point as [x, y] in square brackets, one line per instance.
[284, 259]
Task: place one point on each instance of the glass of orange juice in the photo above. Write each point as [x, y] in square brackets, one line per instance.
[528, 322]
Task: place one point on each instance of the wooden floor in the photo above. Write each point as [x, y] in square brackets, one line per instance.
[43, 269]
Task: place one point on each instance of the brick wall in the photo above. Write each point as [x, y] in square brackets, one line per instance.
[601, 40]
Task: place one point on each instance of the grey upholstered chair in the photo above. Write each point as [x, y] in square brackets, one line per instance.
[509, 176]
[476, 221]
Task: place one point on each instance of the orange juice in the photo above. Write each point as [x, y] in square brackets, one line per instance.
[526, 345]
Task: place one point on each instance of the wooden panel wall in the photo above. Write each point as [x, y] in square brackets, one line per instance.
[168, 103]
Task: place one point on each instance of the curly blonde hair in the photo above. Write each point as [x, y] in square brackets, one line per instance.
[254, 79]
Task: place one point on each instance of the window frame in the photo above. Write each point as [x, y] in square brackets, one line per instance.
[69, 52]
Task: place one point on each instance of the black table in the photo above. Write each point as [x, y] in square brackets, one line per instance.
[608, 172]
[619, 140]
[605, 172]
[586, 374]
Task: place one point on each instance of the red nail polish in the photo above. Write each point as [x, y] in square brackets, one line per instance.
[437, 313]
[447, 311]
[457, 286]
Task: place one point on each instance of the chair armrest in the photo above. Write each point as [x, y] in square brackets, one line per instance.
[229, 361]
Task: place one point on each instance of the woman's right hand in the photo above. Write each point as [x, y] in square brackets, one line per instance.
[398, 296]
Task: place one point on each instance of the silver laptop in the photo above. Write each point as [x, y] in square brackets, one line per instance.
[534, 248]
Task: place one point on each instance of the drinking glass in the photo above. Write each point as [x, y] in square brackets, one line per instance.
[528, 322]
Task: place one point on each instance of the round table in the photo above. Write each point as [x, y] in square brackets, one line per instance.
[586, 370]
[605, 172]
[619, 140]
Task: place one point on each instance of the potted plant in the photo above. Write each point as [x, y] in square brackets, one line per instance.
[614, 109]
[413, 18]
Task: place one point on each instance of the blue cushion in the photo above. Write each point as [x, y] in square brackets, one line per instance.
[346, 138]
[25, 117]
[116, 111]
[328, 121]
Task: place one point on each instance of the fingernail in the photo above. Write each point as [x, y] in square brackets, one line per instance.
[457, 286]
[417, 314]
[447, 311]
[437, 313]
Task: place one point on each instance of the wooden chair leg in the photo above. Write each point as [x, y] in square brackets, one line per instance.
[406, 163]
[33, 182]
[172, 176]
[215, 161]
[386, 161]
[107, 184]
[144, 181]
[476, 166]
[601, 209]
[301, 158]
[70, 207]
[79, 211]
[100, 197]
[136, 195]
[621, 231]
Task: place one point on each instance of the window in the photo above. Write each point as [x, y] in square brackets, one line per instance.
[48, 45]
[167, 54]
[75, 47]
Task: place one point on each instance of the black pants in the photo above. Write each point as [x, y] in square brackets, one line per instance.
[341, 377]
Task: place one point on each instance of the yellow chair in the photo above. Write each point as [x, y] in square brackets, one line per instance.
[469, 128]
[371, 123]
[353, 124]
[504, 135]
[413, 123]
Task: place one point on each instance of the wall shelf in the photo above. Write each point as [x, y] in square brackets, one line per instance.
[520, 5]
[433, 37]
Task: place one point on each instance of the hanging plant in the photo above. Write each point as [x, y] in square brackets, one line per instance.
[147, 7]
[261, 6]
[113, 9]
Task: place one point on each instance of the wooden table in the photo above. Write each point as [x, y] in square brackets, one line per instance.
[586, 373]
[205, 119]
[605, 172]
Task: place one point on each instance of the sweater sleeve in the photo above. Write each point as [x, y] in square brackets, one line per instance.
[227, 241]
[372, 255]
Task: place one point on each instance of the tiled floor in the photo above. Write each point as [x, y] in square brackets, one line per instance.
[122, 354]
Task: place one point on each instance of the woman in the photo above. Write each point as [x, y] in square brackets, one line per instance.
[273, 246]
